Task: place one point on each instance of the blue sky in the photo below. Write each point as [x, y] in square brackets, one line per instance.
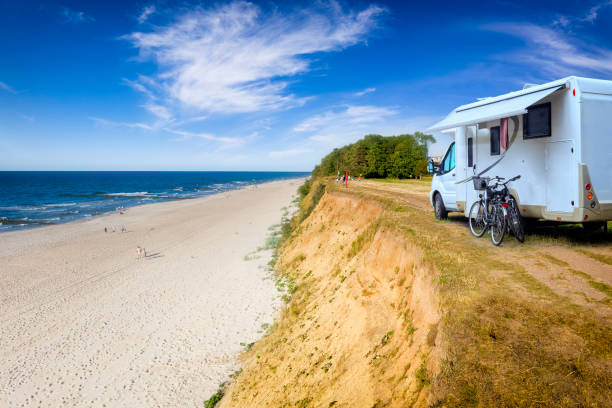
[160, 85]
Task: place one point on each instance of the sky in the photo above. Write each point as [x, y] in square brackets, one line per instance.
[274, 86]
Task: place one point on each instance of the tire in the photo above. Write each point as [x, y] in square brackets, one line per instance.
[516, 222]
[439, 209]
[498, 226]
[478, 225]
[591, 227]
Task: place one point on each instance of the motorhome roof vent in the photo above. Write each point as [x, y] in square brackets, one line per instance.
[528, 85]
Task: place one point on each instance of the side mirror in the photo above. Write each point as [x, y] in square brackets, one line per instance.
[433, 168]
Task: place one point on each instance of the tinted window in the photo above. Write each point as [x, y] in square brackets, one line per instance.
[536, 122]
[449, 159]
[470, 152]
[494, 141]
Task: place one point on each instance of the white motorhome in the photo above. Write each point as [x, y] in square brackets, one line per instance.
[559, 140]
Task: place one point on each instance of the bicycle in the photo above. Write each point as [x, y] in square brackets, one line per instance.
[488, 212]
[514, 223]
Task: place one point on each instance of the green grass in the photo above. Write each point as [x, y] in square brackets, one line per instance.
[216, 397]
[552, 259]
[598, 257]
[600, 286]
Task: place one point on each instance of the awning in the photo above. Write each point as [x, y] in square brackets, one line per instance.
[503, 106]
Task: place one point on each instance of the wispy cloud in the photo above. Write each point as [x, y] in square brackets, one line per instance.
[161, 112]
[184, 135]
[593, 12]
[237, 58]
[339, 126]
[76, 17]
[7, 88]
[160, 127]
[106, 122]
[347, 115]
[590, 16]
[554, 51]
[281, 154]
[145, 14]
[365, 91]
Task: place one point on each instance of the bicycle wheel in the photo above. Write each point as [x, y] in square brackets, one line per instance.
[478, 226]
[516, 222]
[498, 225]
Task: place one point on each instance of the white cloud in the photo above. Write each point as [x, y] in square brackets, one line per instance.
[281, 154]
[106, 122]
[161, 112]
[554, 51]
[76, 17]
[589, 17]
[145, 14]
[348, 115]
[206, 136]
[236, 58]
[7, 88]
[338, 127]
[593, 12]
[365, 91]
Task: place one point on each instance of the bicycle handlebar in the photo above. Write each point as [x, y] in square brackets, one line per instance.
[494, 182]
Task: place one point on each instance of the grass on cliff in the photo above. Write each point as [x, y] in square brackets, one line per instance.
[510, 340]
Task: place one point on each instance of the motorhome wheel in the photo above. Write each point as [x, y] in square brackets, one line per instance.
[440, 210]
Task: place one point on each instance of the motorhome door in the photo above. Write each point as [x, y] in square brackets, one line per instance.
[448, 178]
[560, 176]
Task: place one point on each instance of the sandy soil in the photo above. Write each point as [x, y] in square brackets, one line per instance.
[85, 323]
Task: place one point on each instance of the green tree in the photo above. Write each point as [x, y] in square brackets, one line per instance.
[399, 156]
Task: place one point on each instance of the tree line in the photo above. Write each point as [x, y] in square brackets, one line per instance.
[376, 156]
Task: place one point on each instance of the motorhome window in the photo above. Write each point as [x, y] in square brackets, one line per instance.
[494, 141]
[449, 160]
[536, 122]
[470, 152]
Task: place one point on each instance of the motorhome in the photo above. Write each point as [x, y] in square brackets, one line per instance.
[556, 136]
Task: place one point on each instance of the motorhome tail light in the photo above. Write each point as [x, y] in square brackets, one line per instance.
[587, 187]
[586, 217]
[590, 196]
[574, 91]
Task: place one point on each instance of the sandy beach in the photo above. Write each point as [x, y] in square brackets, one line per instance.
[85, 323]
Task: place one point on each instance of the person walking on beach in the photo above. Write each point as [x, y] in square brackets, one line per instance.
[138, 252]
[105, 230]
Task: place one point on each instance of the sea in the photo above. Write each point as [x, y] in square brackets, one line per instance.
[36, 198]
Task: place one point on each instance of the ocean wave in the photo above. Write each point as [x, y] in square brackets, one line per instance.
[22, 208]
[59, 205]
[134, 194]
[23, 221]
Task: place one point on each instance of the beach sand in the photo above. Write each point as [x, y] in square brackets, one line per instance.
[85, 323]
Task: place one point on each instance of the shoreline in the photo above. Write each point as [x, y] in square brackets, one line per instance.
[29, 225]
[85, 322]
